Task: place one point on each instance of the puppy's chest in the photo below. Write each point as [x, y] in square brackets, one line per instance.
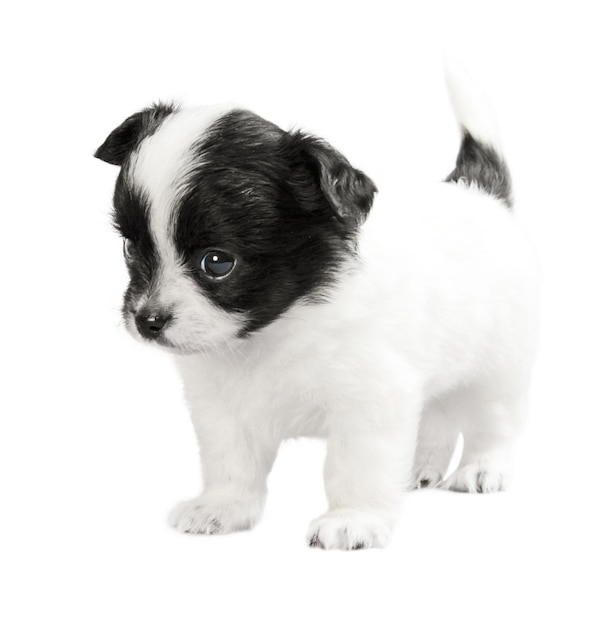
[287, 393]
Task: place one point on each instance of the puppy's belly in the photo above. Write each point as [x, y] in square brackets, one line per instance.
[301, 419]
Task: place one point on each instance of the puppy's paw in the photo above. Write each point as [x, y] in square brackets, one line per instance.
[427, 477]
[478, 478]
[348, 529]
[214, 516]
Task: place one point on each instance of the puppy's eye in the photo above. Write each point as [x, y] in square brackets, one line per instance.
[217, 264]
[128, 248]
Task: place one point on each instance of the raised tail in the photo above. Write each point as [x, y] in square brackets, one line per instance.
[479, 161]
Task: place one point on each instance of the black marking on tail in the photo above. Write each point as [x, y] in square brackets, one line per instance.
[481, 165]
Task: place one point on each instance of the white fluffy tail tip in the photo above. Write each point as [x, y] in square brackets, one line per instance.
[471, 106]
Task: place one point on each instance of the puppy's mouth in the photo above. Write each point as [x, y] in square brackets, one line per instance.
[179, 348]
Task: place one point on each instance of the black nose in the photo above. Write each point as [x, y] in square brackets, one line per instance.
[150, 325]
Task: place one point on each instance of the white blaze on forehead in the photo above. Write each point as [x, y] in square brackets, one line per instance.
[161, 162]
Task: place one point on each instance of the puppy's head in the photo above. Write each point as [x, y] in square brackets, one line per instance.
[227, 221]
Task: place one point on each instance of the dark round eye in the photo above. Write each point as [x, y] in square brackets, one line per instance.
[128, 248]
[217, 264]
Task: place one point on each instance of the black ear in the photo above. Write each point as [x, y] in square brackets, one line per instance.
[349, 191]
[125, 138]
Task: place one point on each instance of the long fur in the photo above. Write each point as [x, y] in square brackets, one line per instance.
[389, 336]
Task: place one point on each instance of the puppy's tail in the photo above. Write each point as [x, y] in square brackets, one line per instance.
[479, 161]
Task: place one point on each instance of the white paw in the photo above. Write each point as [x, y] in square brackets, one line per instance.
[348, 529]
[427, 477]
[478, 478]
[214, 516]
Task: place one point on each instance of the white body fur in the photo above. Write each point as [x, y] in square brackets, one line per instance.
[437, 323]
[431, 333]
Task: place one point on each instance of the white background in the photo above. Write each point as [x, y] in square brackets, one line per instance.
[95, 442]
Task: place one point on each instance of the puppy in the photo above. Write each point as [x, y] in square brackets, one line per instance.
[291, 312]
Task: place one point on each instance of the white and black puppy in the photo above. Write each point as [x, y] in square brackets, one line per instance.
[291, 314]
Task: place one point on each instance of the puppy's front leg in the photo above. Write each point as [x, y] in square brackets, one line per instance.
[371, 445]
[235, 460]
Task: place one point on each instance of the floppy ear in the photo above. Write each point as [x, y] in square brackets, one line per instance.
[125, 138]
[349, 191]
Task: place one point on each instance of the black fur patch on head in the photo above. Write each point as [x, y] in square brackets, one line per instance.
[479, 164]
[286, 206]
[124, 139]
[130, 217]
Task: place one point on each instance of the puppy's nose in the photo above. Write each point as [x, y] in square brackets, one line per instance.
[150, 325]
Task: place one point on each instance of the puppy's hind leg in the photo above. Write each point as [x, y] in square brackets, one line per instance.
[491, 420]
[436, 441]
